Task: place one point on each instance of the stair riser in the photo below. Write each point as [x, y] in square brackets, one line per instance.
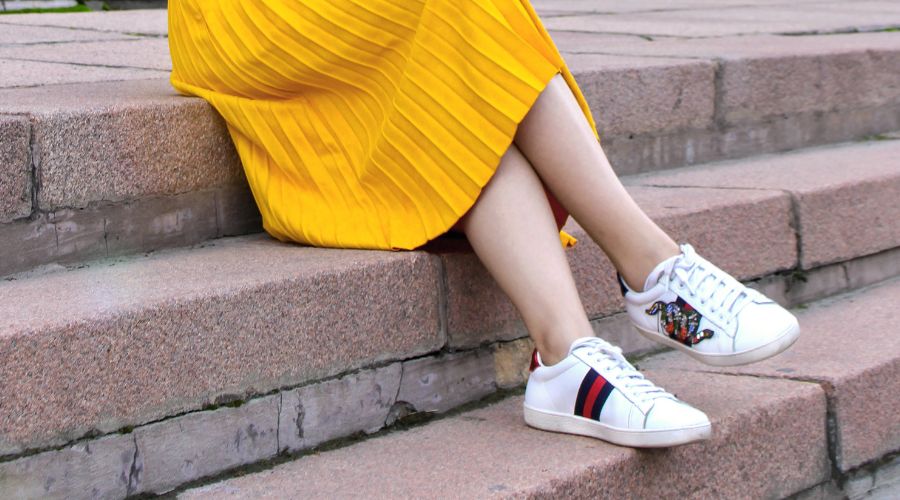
[101, 231]
[633, 154]
[161, 456]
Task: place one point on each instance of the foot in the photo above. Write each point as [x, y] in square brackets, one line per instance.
[694, 306]
[594, 391]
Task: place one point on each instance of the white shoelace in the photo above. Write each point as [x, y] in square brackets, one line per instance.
[708, 284]
[609, 359]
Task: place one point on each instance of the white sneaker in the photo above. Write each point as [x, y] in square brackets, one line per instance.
[694, 306]
[596, 392]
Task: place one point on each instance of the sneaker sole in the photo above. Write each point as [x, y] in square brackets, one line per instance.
[573, 424]
[758, 353]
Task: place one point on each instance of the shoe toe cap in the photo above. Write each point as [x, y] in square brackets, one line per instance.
[673, 414]
[763, 324]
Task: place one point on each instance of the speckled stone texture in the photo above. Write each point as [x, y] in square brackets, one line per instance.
[768, 75]
[143, 338]
[774, 93]
[15, 168]
[177, 451]
[637, 95]
[121, 141]
[734, 20]
[16, 34]
[713, 220]
[759, 427]
[139, 53]
[26, 73]
[849, 346]
[846, 198]
[146, 22]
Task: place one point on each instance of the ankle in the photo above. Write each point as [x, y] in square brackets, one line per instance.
[554, 349]
[636, 271]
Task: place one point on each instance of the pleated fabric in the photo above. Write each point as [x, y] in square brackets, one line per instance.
[366, 123]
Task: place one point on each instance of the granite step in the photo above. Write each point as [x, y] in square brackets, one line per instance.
[800, 423]
[118, 355]
[130, 331]
[97, 169]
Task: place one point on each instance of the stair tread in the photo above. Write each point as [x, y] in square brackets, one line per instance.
[139, 307]
[849, 344]
[762, 422]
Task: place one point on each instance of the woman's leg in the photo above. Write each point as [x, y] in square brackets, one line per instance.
[559, 143]
[512, 230]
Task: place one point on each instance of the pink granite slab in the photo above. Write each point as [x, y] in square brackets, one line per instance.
[850, 346]
[768, 442]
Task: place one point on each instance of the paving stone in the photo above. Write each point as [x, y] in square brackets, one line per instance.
[196, 445]
[857, 363]
[143, 22]
[150, 337]
[16, 73]
[634, 95]
[144, 53]
[337, 408]
[440, 383]
[15, 168]
[558, 7]
[724, 22]
[19, 34]
[161, 222]
[101, 468]
[122, 141]
[861, 182]
[759, 427]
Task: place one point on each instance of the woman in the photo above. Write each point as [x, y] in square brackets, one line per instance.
[383, 124]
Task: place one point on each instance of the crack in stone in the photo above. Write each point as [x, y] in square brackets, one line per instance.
[136, 470]
[88, 65]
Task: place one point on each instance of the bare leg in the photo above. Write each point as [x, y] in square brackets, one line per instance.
[511, 229]
[559, 143]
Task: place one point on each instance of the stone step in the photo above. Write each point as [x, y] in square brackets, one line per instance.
[773, 426]
[92, 169]
[156, 343]
[798, 423]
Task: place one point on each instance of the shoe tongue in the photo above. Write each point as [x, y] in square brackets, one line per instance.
[582, 342]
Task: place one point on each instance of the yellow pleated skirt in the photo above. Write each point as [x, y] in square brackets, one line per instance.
[366, 123]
